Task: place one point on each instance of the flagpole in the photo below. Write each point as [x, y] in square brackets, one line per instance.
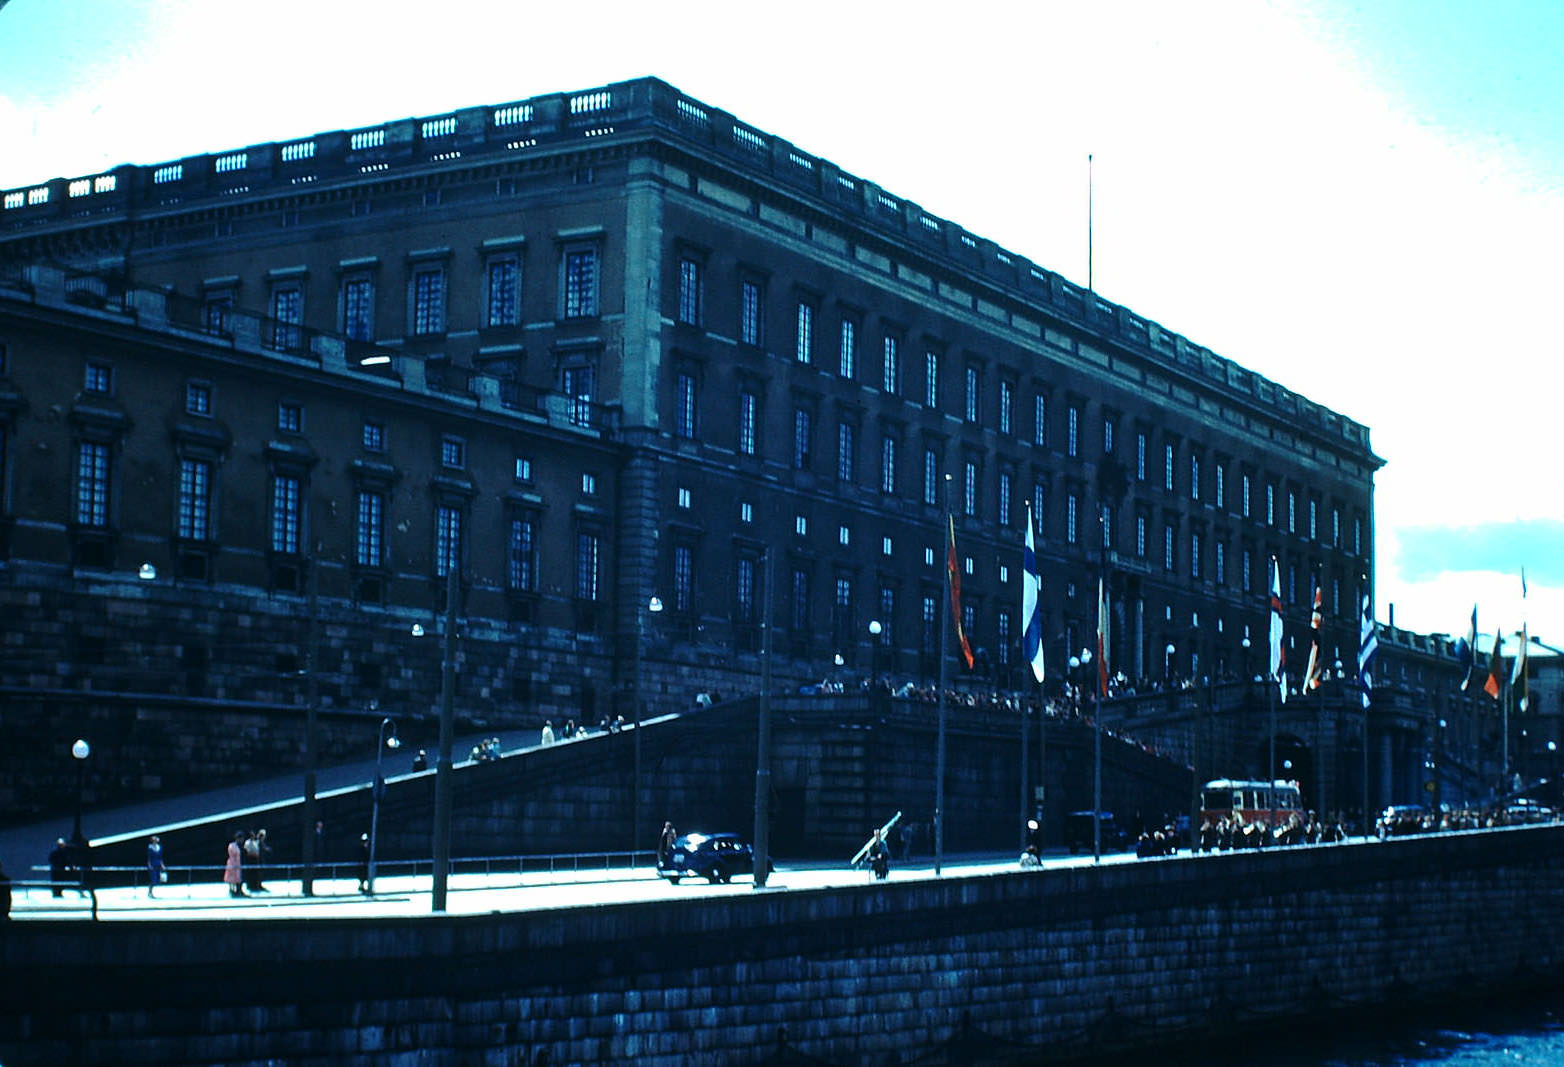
[944, 681]
[1089, 286]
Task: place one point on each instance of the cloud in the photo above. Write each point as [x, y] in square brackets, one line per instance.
[1504, 547]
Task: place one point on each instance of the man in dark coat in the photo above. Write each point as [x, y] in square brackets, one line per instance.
[59, 864]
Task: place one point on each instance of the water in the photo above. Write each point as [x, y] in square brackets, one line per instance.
[1525, 1031]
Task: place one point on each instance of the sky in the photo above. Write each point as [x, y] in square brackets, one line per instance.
[1362, 201]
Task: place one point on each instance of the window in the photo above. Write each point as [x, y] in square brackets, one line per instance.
[1168, 539]
[888, 465]
[1248, 575]
[801, 525]
[683, 578]
[844, 605]
[749, 408]
[198, 398]
[1169, 454]
[580, 283]
[690, 292]
[1006, 479]
[374, 436]
[1292, 512]
[746, 512]
[1105, 518]
[290, 417]
[844, 451]
[803, 443]
[1244, 493]
[1335, 527]
[195, 500]
[587, 550]
[1039, 498]
[1140, 456]
[800, 600]
[1270, 504]
[580, 383]
[216, 310]
[523, 469]
[1140, 536]
[969, 488]
[358, 308]
[99, 378]
[1357, 536]
[930, 476]
[804, 352]
[429, 300]
[885, 546]
[1073, 434]
[287, 500]
[287, 311]
[1194, 476]
[974, 384]
[744, 588]
[1004, 638]
[453, 453]
[588, 483]
[684, 497]
[92, 484]
[522, 555]
[369, 535]
[1221, 485]
[447, 540]
[1007, 391]
[1220, 548]
[1314, 516]
[504, 292]
[1040, 419]
[843, 536]
[684, 405]
[931, 380]
[1194, 553]
[1071, 502]
[847, 362]
[929, 616]
[1107, 434]
[749, 313]
[887, 614]
[891, 379]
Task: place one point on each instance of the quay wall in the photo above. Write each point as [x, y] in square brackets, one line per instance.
[1019, 966]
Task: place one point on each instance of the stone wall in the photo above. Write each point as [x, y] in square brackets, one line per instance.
[1021, 965]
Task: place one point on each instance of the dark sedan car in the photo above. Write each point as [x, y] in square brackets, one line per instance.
[714, 857]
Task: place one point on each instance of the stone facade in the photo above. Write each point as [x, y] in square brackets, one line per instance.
[1026, 966]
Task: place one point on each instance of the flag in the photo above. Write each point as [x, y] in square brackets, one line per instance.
[1466, 651]
[1102, 637]
[1031, 604]
[1278, 654]
[1314, 676]
[955, 592]
[1518, 675]
[1495, 669]
[1368, 645]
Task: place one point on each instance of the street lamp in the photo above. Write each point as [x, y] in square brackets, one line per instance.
[655, 607]
[81, 750]
[1167, 665]
[379, 791]
[147, 573]
[1248, 674]
[875, 630]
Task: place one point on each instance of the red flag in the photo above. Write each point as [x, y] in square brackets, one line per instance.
[1103, 621]
[955, 591]
[1313, 676]
[1495, 669]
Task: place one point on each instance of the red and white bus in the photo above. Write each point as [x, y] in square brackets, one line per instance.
[1251, 801]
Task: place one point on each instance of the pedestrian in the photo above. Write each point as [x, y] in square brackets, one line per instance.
[879, 856]
[421, 761]
[59, 861]
[547, 737]
[363, 863]
[252, 862]
[233, 870]
[156, 875]
[665, 843]
[1030, 859]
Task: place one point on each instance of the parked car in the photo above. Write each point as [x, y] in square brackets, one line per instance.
[714, 857]
[1078, 832]
[1526, 810]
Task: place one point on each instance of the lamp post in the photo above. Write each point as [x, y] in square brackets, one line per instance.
[655, 607]
[1167, 665]
[762, 838]
[81, 750]
[1084, 660]
[439, 882]
[875, 630]
[379, 791]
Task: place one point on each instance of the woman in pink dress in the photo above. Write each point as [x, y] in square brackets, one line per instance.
[233, 872]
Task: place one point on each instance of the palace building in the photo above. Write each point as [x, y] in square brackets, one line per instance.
[604, 352]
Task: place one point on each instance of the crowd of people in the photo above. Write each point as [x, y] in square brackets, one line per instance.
[570, 730]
